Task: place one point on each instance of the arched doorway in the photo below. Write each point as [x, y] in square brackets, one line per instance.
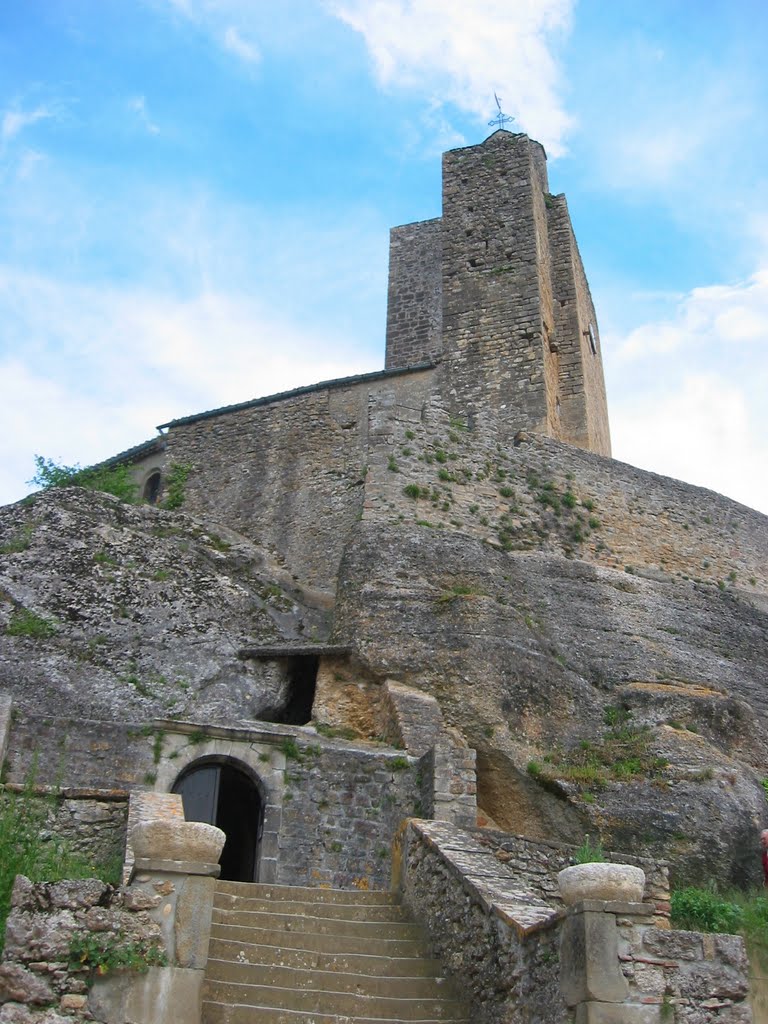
[222, 794]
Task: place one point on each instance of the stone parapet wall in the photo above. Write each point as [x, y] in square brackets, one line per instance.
[537, 863]
[498, 939]
[621, 517]
[289, 473]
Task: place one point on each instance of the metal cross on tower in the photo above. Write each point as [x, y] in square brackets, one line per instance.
[501, 118]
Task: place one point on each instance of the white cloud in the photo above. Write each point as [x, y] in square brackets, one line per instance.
[702, 429]
[90, 371]
[709, 317]
[227, 22]
[461, 53]
[138, 106]
[15, 121]
[237, 44]
[687, 392]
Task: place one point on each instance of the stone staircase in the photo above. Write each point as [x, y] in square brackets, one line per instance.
[291, 955]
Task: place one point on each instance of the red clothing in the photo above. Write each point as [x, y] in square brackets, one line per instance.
[765, 867]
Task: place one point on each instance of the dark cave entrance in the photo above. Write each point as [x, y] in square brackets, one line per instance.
[222, 794]
[302, 683]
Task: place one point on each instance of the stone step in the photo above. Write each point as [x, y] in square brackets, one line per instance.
[309, 894]
[349, 911]
[344, 1004]
[319, 941]
[240, 973]
[301, 922]
[218, 1013]
[307, 959]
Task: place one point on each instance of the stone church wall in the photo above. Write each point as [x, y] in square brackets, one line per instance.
[290, 473]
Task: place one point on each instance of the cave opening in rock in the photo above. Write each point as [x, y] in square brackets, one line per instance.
[302, 682]
[222, 794]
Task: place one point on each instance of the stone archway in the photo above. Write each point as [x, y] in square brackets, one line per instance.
[223, 792]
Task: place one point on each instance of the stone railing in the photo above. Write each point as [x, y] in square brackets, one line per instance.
[521, 958]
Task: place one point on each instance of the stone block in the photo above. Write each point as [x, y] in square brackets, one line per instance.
[589, 960]
[6, 706]
[193, 922]
[673, 945]
[164, 995]
[172, 839]
[617, 1013]
[18, 985]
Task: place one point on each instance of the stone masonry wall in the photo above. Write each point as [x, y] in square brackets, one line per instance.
[341, 809]
[497, 938]
[583, 412]
[414, 298]
[331, 806]
[537, 863]
[288, 473]
[492, 304]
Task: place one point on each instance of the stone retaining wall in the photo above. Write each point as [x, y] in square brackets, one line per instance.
[38, 982]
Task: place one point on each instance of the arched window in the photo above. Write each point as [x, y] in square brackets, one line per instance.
[152, 487]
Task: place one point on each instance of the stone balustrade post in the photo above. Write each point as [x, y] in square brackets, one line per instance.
[173, 878]
[591, 979]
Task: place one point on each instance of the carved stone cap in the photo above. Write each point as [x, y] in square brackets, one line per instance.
[164, 839]
[616, 882]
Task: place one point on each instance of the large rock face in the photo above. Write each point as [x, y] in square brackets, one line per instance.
[121, 612]
[597, 633]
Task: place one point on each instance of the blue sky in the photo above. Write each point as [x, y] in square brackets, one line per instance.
[195, 199]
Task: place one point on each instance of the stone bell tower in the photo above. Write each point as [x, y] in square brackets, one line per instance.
[496, 292]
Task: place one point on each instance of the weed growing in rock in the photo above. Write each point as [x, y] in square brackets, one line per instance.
[392, 465]
[399, 764]
[290, 749]
[458, 590]
[589, 852]
[622, 754]
[19, 541]
[24, 622]
[100, 953]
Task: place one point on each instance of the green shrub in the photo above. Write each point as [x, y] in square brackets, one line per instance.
[115, 480]
[704, 910]
[176, 484]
